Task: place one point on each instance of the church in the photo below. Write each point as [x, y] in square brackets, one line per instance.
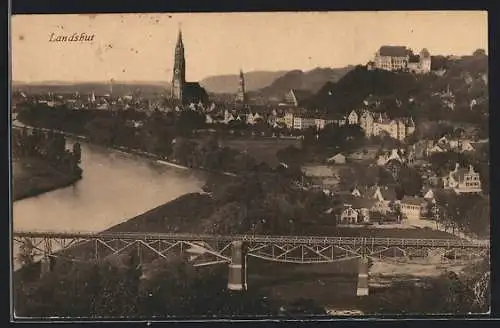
[182, 91]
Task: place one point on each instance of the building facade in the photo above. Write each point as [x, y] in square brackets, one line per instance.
[463, 180]
[400, 58]
[378, 124]
[413, 208]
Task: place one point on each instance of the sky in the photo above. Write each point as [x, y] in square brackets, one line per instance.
[140, 47]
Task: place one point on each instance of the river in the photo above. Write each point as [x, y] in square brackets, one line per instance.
[115, 187]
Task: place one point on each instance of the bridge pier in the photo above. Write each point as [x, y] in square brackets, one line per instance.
[363, 270]
[237, 268]
[45, 266]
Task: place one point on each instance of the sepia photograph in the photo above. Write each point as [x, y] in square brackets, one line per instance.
[205, 166]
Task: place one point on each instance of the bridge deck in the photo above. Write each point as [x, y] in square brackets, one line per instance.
[151, 236]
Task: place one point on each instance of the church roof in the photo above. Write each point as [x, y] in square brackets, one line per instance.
[393, 51]
[194, 92]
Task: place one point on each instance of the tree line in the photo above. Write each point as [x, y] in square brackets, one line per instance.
[49, 146]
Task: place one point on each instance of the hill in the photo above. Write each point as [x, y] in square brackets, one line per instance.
[358, 84]
[310, 80]
[99, 88]
[465, 77]
[229, 83]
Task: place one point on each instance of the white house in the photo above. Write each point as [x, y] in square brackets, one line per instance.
[463, 180]
[353, 118]
[413, 208]
[429, 194]
[356, 210]
[349, 216]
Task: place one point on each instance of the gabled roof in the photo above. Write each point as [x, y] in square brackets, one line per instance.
[393, 161]
[393, 51]
[358, 202]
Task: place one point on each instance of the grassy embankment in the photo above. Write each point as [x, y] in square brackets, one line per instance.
[33, 176]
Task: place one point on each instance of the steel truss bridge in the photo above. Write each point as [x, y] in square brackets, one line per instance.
[204, 250]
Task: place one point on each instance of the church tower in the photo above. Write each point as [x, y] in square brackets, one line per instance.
[179, 76]
[240, 97]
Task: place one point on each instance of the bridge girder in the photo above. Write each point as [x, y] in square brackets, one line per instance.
[205, 250]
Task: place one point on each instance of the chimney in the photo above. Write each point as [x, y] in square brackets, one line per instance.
[471, 169]
[457, 166]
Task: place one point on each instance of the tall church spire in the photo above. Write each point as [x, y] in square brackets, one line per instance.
[179, 39]
[179, 74]
[240, 97]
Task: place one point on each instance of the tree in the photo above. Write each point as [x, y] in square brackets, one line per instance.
[479, 52]
[77, 152]
[228, 219]
[410, 181]
[478, 217]
[183, 150]
[347, 179]
[289, 155]
[101, 130]
[188, 121]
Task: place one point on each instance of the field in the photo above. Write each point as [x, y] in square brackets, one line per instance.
[263, 150]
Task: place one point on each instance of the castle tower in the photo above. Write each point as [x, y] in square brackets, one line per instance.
[240, 97]
[425, 61]
[179, 76]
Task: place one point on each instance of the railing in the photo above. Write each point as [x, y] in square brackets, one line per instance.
[318, 240]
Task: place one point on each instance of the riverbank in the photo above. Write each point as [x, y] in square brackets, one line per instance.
[137, 152]
[33, 176]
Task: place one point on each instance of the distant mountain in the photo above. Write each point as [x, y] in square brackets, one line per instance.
[229, 83]
[311, 81]
[99, 88]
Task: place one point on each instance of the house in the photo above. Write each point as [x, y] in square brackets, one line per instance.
[337, 159]
[366, 122]
[375, 125]
[429, 194]
[355, 210]
[348, 216]
[437, 149]
[413, 208]
[466, 146]
[385, 157]
[353, 118]
[209, 119]
[384, 197]
[463, 180]
[303, 122]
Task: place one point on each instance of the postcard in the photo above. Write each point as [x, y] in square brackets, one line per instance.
[250, 165]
